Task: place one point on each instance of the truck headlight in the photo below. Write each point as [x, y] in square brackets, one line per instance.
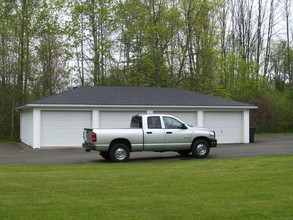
[212, 135]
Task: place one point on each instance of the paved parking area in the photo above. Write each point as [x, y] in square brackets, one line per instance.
[18, 153]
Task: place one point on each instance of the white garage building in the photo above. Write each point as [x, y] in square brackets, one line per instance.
[58, 120]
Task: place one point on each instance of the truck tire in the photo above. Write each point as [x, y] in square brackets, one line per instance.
[119, 152]
[200, 149]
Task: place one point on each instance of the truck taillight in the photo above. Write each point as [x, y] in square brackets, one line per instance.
[94, 137]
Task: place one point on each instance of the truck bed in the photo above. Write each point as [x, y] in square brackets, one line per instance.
[133, 135]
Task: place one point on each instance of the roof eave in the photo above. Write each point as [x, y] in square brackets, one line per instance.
[132, 106]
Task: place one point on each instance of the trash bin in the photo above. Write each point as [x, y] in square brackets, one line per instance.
[251, 134]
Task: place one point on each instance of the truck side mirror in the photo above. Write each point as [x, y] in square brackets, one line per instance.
[184, 126]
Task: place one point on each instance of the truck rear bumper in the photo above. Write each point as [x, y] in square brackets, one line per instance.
[213, 142]
[92, 146]
[88, 146]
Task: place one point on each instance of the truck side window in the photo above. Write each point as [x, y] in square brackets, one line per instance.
[172, 123]
[154, 122]
[136, 122]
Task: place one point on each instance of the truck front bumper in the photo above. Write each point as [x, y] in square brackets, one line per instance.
[213, 142]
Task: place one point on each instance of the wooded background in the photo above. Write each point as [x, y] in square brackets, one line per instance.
[235, 49]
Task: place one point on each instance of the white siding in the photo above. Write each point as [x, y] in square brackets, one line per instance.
[64, 128]
[116, 119]
[187, 117]
[228, 125]
[26, 127]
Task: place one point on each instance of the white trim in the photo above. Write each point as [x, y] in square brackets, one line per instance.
[200, 118]
[36, 128]
[95, 118]
[246, 127]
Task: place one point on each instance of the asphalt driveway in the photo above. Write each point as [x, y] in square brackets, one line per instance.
[18, 153]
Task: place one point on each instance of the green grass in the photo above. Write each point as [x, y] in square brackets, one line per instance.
[242, 188]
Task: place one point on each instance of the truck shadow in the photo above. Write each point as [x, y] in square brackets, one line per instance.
[154, 159]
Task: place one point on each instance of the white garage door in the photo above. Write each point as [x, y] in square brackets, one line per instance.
[116, 119]
[63, 128]
[228, 125]
[187, 117]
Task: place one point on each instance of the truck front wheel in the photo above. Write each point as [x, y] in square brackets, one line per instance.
[119, 152]
[200, 149]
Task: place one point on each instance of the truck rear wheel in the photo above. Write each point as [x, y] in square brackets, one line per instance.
[200, 149]
[119, 152]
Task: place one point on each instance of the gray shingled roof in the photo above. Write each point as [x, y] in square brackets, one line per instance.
[138, 96]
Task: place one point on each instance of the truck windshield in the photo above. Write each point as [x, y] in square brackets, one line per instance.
[136, 122]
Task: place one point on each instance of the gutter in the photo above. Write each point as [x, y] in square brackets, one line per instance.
[133, 106]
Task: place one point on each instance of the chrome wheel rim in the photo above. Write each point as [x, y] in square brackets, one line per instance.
[201, 149]
[120, 153]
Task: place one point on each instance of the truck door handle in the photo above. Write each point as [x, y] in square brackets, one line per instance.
[169, 132]
[149, 132]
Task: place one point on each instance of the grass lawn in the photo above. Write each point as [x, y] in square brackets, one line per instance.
[241, 188]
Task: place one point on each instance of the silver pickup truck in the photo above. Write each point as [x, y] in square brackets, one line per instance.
[150, 132]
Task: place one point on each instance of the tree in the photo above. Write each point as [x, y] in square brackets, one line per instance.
[50, 50]
[15, 56]
[91, 31]
[197, 63]
[130, 17]
[281, 61]
[289, 52]
[78, 36]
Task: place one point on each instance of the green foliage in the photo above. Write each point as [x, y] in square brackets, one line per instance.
[48, 46]
[282, 58]
[265, 117]
[219, 189]
[284, 105]
[274, 113]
